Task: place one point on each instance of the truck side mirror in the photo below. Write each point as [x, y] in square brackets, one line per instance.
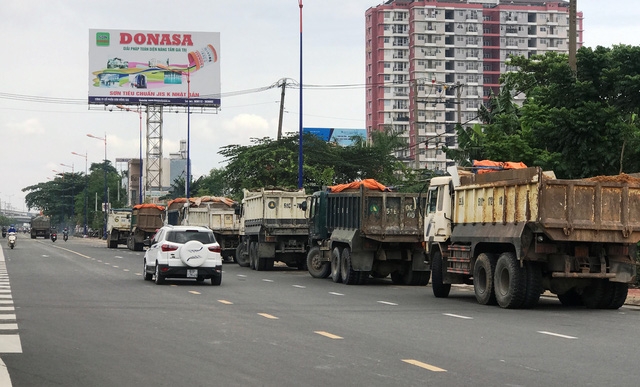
[237, 210]
[303, 206]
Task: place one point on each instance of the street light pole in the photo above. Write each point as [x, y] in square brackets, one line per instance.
[86, 190]
[72, 190]
[188, 182]
[106, 204]
[300, 155]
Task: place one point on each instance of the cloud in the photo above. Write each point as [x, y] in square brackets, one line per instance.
[26, 127]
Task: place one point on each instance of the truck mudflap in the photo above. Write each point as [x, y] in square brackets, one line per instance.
[511, 233]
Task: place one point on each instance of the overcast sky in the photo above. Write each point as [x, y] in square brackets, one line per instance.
[45, 54]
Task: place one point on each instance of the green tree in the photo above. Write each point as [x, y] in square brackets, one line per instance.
[581, 124]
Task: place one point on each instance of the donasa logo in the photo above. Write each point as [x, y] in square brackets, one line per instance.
[102, 39]
[153, 39]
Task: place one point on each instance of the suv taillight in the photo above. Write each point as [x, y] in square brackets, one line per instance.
[168, 247]
[215, 249]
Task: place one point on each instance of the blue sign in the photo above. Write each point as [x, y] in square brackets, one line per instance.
[342, 137]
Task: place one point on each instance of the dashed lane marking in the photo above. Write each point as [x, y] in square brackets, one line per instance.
[458, 316]
[299, 286]
[269, 316]
[194, 292]
[558, 335]
[336, 294]
[387, 303]
[225, 302]
[329, 335]
[242, 275]
[267, 280]
[128, 270]
[424, 365]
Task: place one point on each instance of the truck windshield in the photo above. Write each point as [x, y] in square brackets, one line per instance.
[432, 199]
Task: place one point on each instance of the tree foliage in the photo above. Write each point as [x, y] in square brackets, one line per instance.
[63, 198]
[578, 125]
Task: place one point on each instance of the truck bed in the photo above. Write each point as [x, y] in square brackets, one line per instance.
[603, 209]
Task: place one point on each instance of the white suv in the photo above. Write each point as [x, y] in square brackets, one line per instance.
[183, 252]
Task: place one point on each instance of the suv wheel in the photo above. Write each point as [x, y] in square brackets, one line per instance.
[147, 276]
[159, 277]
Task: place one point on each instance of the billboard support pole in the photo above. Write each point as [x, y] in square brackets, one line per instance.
[300, 156]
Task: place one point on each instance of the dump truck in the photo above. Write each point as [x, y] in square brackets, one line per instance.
[118, 227]
[40, 227]
[516, 233]
[214, 212]
[273, 227]
[146, 219]
[363, 229]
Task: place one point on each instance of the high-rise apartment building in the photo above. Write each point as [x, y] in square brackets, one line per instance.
[430, 64]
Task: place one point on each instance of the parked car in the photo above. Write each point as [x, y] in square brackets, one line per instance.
[183, 252]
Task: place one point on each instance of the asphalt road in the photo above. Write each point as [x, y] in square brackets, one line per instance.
[79, 314]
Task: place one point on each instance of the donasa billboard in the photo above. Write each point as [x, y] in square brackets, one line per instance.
[129, 67]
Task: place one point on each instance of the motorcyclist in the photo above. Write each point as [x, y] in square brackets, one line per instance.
[4, 231]
[12, 228]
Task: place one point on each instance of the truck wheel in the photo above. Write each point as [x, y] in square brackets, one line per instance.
[241, 257]
[252, 255]
[335, 265]
[509, 281]
[618, 296]
[159, 277]
[146, 275]
[483, 274]
[533, 284]
[316, 267]
[349, 276]
[396, 278]
[594, 294]
[570, 298]
[440, 289]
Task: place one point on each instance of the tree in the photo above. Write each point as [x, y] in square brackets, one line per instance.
[581, 124]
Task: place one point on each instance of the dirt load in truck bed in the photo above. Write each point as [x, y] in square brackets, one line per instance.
[622, 178]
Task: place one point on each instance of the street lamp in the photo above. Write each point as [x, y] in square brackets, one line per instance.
[86, 190]
[300, 155]
[106, 205]
[139, 111]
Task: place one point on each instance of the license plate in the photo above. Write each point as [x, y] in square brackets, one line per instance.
[192, 273]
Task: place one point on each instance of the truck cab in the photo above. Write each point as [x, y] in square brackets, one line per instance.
[438, 212]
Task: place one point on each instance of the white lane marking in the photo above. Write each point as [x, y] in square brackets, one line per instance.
[387, 303]
[117, 256]
[45, 256]
[424, 365]
[4, 302]
[126, 270]
[136, 273]
[10, 344]
[194, 292]
[5, 380]
[557, 335]
[299, 286]
[117, 267]
[458, 316]
[329, 335]
[242, 275]
[336, 294]
[267, 280]
[5, 296]
[7, 309]
[7, 316]
[8, 327]
[269, 316]
[225, 302]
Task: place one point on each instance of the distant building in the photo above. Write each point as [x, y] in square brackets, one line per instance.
[430, 64]
[173, 168]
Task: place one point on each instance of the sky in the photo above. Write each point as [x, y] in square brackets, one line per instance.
[45, 47]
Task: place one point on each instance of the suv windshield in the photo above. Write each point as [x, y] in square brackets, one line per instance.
[191, 235]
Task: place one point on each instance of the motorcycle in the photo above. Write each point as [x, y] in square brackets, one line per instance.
[65, 236]
[4, 233]
[12, 240]
[54, 236]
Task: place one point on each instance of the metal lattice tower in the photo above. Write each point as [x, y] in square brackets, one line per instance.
[154, 149]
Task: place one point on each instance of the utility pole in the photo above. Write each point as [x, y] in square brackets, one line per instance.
[416, 134]
[283, 85]
[573, 10]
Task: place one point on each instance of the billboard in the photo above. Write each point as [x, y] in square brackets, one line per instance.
[342, 137]
[130, 67]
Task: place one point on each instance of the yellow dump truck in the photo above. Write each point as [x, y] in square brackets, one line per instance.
[515, 233]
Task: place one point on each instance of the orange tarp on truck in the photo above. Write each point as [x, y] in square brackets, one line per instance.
[485, 166]
[148, 205]
[367, 183]
[203, 199]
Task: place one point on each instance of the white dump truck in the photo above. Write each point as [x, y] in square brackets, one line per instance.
[273, 227]
[118, 227]
[516, 233]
